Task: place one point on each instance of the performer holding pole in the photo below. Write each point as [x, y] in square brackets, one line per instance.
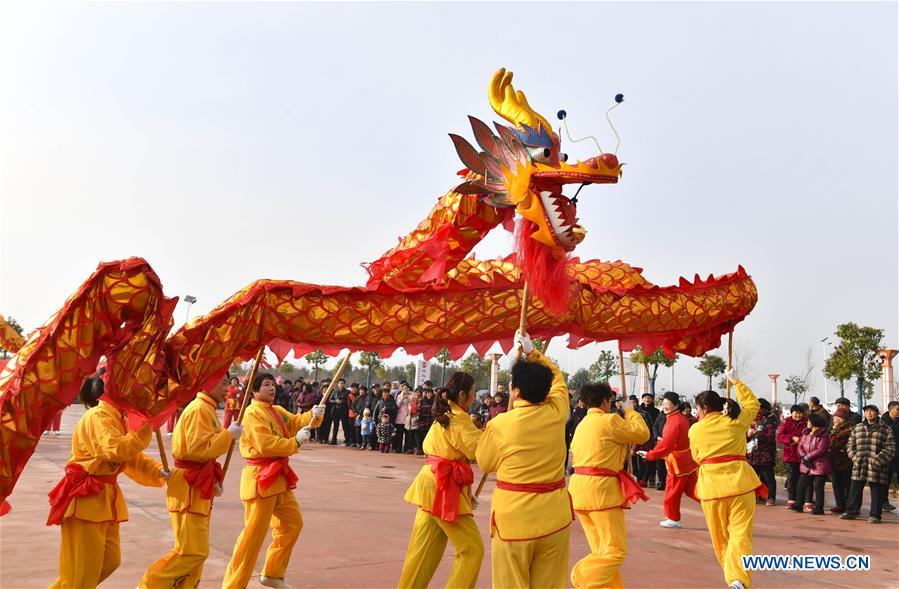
[196, 444]
[442, 493]
[531, 508]
[727, 485]
[600, 488]
[271, 435]
[87, 503]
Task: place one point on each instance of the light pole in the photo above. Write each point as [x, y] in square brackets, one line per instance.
[824, 344]
[190, 300]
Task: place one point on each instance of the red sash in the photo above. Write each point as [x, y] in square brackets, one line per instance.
[626, 482]
[77, 482]
[451, 476]
[202, 475]
[761, 491]
[270, 469]
[531, 487]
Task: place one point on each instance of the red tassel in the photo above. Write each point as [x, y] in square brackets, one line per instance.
[545, 271]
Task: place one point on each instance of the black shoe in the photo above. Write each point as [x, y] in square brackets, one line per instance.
[332, 443]
[795, 508]
[816, 512]
[889, 507]
[873, 520]
[848, 516]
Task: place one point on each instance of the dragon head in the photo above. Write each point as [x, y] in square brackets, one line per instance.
[524, 167]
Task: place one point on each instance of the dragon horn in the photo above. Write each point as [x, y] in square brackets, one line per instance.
[512, 105]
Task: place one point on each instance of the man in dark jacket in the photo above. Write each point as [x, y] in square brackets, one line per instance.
[871, 448]
[387, 404]
[658, 427]
[649, 413]
[854, 418]
[339, 412]
[815, 406]
[891, 418]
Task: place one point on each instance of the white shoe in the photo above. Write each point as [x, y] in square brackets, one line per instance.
[736, 585]
[274, 583]
[670, 523]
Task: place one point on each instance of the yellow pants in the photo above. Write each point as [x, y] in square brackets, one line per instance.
[540, 563]
[88, 553]
[183, 566]
[730, 526]
[281, 512]
[607, 537]
[426, 546]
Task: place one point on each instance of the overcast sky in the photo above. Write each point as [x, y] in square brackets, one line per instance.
[230, 142]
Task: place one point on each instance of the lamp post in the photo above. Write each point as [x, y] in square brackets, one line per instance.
[824, 343]
[190, 300]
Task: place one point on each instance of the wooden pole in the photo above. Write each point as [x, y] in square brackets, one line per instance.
[630, 448]
[522, 328]
[248, 386]
[730, 357]
[162, 457]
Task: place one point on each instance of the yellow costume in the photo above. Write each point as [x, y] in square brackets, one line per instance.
[600, 442]
[530, 509]
[727, 489]
[266, 485]
[88, 501]
[455, 445]
[198, 440]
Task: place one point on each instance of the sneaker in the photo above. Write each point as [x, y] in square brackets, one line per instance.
[736, 585]
[795, 508]
[274, 583]
[886, 506]
[836, 510]
[816, 512]
[873, 520]
[808, 506]
[670, 523]
[848, 516]
[770, 502]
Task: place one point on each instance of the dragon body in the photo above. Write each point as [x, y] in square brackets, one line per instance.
[424, 294]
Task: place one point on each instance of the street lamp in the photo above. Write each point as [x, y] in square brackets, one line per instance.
[824, 343]
[190, 300]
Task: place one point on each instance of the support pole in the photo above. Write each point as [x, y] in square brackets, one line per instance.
[243, 404]
[630, 448]
[162, 456]
[730, 357]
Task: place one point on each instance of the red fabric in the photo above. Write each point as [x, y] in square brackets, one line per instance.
[631, 490]
[674, 436]
[276, 415]
[271, 469]
[530, 487]
[675, 487]
[761, 491]
[451, 476]
[202, 475]
[680, 463]
[5, 507]
[546, 272]
[76, 483]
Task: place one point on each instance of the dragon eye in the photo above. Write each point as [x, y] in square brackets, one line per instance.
[541, 154]
[563, 157]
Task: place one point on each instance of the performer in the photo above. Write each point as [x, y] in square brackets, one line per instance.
[600, 488]
[199, 439]
[88, 503]
[232, 401]
[531, 509]
[674, 448]
[271, 435]
[727, 485]
[442, 492]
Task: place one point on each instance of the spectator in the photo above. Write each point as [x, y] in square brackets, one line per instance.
[816, 408]
[871, 448]
[360, 404]
[789, 433]
[814, 463]
[349, 433]
[762, 448]
[498, 406]
[339, 414]
[412, 441]
[578, 412]
[232, 401]
[854, 418]
[648, 412]
[891, 418]
[366, 428]
[658, 426]
[386, 433]
[403, 403]
[839, 460]
[688, 411]
[386, 404]
[425, 416]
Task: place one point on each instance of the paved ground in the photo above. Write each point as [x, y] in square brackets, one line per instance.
[357, 527]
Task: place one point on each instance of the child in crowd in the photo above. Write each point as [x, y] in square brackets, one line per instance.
[386, 432]
[366, 427]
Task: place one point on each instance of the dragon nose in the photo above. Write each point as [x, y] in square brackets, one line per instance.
[610, 160]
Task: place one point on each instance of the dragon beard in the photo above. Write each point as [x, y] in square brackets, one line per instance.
[544, 269]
